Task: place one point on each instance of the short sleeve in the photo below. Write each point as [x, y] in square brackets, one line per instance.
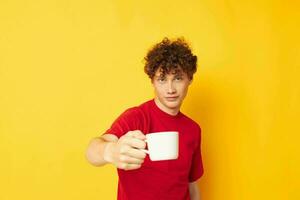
[129, 120]
[196, 170]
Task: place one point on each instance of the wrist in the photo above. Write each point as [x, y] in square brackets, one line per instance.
[107, 152]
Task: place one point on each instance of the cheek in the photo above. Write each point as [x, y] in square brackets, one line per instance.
[183, 89]
[158, 90]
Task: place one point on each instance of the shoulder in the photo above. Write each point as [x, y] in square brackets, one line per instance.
[136, 111]
[194, 129]
[132, 112]
[191, 123]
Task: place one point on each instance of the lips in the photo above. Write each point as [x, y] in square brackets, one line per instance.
[172, 98]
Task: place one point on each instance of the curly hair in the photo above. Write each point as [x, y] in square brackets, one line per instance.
[170, 56]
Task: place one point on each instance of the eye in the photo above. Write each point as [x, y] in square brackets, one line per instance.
[178, 78]
[161, 80]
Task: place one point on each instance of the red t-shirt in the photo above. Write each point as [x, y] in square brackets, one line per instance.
[160, 180]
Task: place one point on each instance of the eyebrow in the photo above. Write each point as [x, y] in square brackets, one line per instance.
[175, 75]
[178, 74]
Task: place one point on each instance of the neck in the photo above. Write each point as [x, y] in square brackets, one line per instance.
[170, 111]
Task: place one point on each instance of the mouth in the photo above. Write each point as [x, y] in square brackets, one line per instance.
[172, 98]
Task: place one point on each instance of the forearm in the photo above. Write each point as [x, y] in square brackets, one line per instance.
[195, 196]
[194, 191]
[95, 151]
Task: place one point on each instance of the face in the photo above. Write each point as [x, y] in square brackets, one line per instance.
[170, 90]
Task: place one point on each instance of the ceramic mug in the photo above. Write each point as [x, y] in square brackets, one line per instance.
[162, 145]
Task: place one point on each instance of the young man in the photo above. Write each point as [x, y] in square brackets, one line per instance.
[170, 65]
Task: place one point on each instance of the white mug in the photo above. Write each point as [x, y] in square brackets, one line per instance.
[162, 145]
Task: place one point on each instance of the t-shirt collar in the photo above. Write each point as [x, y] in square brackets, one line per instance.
[163, 113]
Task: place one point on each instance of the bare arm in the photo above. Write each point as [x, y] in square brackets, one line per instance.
[95, 150]
[194, 191]
[124, 152]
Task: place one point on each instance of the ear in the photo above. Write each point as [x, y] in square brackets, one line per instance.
[190, 82]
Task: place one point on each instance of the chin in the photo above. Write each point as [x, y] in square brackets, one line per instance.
[172, 104]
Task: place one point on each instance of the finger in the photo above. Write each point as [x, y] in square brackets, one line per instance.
[126, 166]
[133, 166]
[137, 134]
[131, 160]
[136, 153]
[136, 143]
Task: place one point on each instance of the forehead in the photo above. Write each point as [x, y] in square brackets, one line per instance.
[159, 72]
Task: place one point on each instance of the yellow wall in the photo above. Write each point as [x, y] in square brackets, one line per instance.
[68, 68]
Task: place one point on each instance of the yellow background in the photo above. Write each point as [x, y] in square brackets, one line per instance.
[69, 68]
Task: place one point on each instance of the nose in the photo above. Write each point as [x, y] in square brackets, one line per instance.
[171, 88]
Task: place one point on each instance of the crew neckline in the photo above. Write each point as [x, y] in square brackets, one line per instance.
[163, 113]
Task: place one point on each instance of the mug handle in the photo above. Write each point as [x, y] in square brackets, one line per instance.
[145, 150]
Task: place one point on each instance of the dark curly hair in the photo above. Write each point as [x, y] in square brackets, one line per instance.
[170, 56]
